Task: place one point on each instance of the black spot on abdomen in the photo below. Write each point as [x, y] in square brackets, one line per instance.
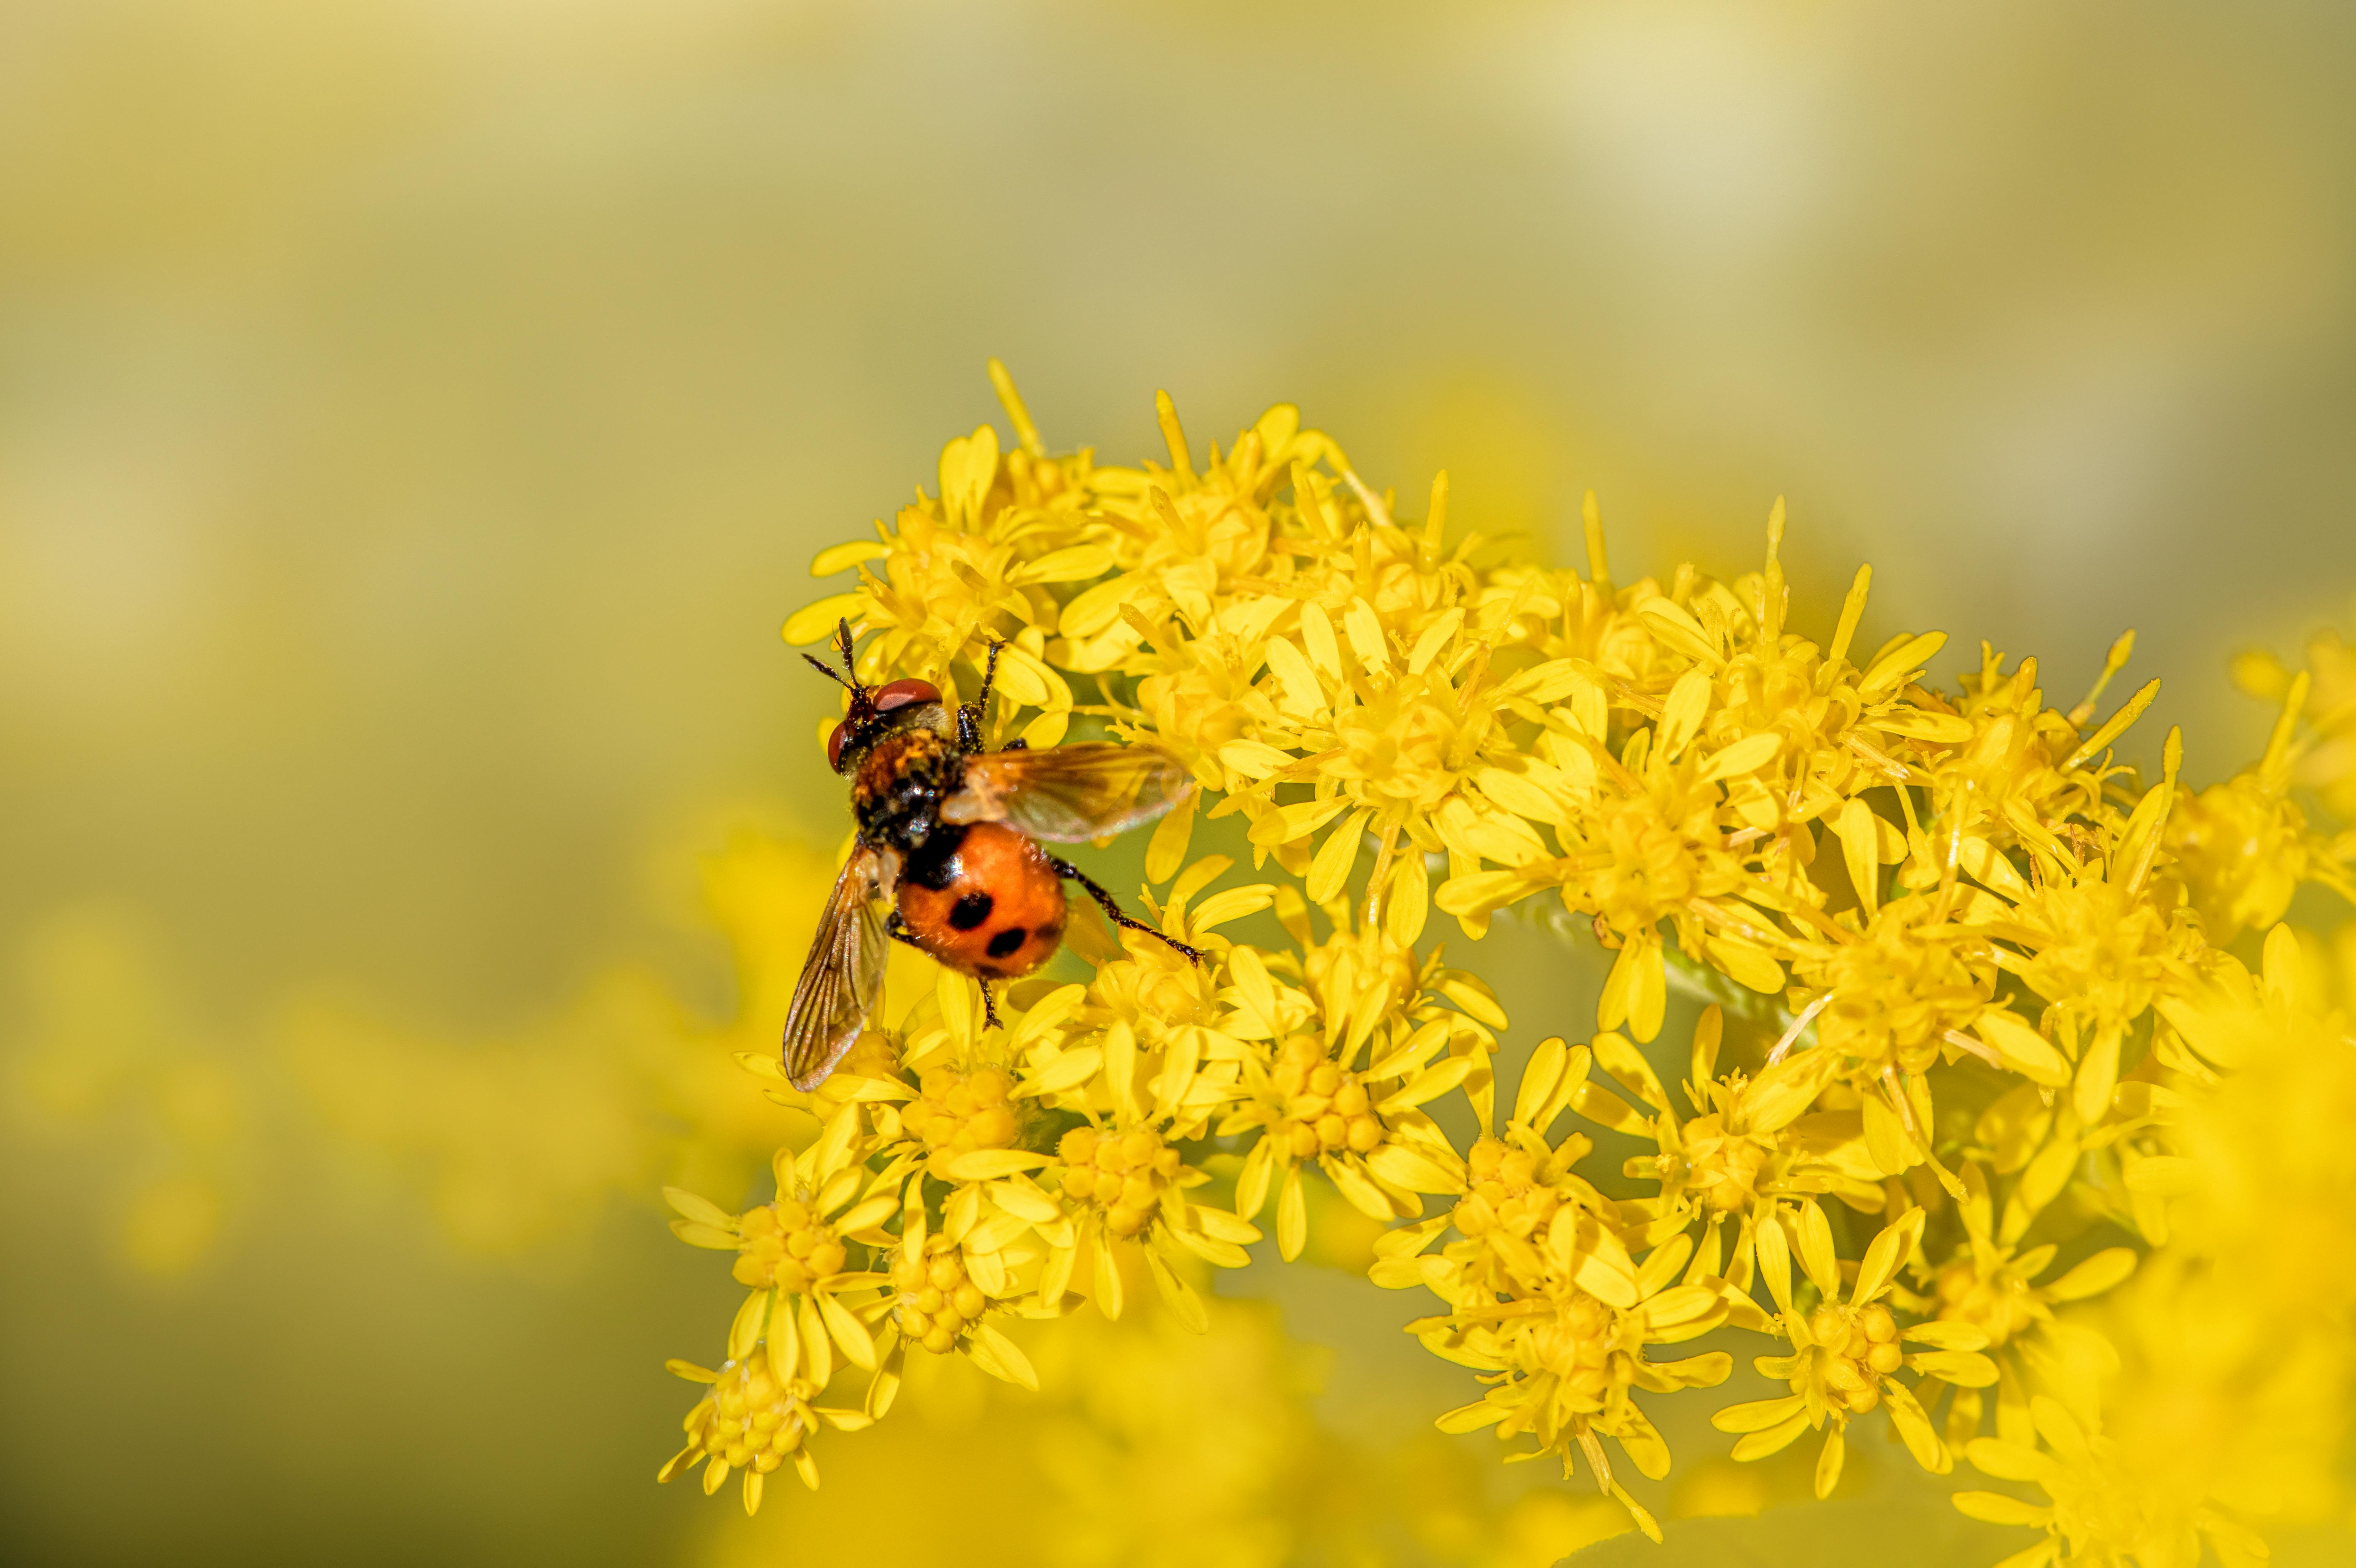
[1004, 943]
[972, 911]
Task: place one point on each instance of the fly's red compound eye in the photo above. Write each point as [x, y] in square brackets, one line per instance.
[901, 693]
[834, 741]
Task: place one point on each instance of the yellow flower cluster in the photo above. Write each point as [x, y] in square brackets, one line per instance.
[1547, 1303]
[1846, 1355]
[1123, 1176]
[785, 1245]
[991, 1176]
[1972, 1009]
[751, 1420]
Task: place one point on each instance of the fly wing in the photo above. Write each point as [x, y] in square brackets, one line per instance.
[1065, 795]
[843, 976]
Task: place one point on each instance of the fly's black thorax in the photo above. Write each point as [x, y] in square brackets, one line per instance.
[898, 787]
[935, 864]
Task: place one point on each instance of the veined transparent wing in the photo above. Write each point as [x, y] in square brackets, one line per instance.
[1091, 789]
[843, 976]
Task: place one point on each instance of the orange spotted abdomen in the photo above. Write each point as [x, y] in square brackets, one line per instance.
[984, 900]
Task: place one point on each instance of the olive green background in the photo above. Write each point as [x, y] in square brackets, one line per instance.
[416, 420]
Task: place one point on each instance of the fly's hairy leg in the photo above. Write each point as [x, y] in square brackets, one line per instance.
[969, 713]
[1112, 909]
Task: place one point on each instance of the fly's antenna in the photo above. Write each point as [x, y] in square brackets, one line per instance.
[849, 676]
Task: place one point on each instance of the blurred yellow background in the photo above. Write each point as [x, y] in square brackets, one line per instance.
[417, 419]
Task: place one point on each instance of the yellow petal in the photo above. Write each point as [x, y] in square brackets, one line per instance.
[1184, 1304]
[2094, 1276]
[987, 1164]
[1433, 638]
[1328, 870]
[1291, 1216]
[1538, 1080]
[999, 1356]
[1995, 1508]
[1473, 1417]
[2098, 1077]
[1075, 564]
[1901, 664]
[1886, 1255]
[1318, 641]
[2024, 1049]
[1253, 759]
[1829, 1463]
[1745, 756]
[858, 1345]
[1365, 633]
[837, 558]
[1816, 1256]
[1682, 714]
[813, 622]
[968, 467]
[1774, 1439]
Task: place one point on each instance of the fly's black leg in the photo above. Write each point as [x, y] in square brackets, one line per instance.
[1105, 901]
[897, 930]
[969, 713]
[989, 1009]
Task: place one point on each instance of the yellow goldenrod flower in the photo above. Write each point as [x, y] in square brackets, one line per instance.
[1897, 988]
[1967, 977]
[1122, 1174]
[958, 1113]
[2103, 1509]
[793, 1250]
[1846, 1353]
[1753, 1142]
[2324, 759]
[2245, 844]
[938, 1302]
[1547, 1300]
[753, 1420]
[1989, 1287]
[1391, 1035]
[787, 1245]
